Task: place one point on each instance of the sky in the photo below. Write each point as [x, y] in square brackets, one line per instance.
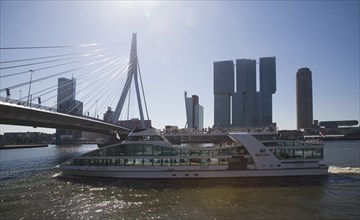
[178, 41]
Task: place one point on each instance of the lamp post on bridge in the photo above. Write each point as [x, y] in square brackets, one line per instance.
[20, 95]
[96, 107]
[31, 71]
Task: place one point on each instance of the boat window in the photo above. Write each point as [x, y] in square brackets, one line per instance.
[234, 151]
[195, 153]
[148, 162]
[166, 151]
[185, 152]
[108, 151]
[114, 151]
[268, 144]
[139, 150]
[308, 154]
[166, 162]
[148, 150]
[213, 152]
[184, 162]
[222, 161]
[138, 162]
[175, 162]
[78, 162]
[134, 138]
[280, 143]
[157, 150]
[129, 150]
[288, 143]
[194, 161]
[176, 152]
[100, 152]
[300, 153]
[284, 154]
[228, 151]
[242, 151]
[213, 161]
[205, 153]
[318, 153]
[157, 162]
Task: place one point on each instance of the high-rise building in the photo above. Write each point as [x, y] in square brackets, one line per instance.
[267, 89]
[223, 90]
[66, 103]
[244, 96]
[194, 112]
[236, 100]
[304, 102]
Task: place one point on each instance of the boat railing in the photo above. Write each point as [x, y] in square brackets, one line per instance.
[220, 130]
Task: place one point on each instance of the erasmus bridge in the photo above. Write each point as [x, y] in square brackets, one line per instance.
[107, 78]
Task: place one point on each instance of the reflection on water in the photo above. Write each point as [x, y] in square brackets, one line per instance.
[31, 189]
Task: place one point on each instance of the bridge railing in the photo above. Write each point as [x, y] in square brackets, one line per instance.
[37, 106]
[24, 103]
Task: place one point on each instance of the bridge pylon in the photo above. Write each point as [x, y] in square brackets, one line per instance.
[132, 75]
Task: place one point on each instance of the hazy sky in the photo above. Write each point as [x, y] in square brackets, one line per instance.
[179, 41]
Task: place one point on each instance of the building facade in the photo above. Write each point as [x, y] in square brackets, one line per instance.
[66, 103]
[223, 90]
[304, 99]
[194, 112]
[23, 138]
[237, 103]
[267, 89]
[244, 95]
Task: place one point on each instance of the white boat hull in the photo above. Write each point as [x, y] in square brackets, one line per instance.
[173, 174]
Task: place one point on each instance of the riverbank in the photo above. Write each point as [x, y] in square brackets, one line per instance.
[17, 146]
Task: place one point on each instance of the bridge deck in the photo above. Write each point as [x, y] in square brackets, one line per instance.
[21, 115]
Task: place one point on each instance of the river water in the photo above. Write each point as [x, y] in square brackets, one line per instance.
[30, 188]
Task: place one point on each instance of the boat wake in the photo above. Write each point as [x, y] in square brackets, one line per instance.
[344, 170]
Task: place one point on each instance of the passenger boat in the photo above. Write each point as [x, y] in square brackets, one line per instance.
[147, 154]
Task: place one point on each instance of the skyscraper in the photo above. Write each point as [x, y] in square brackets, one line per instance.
[223, 90]
[304, 102]
[237, 103]
[267, 89]
[244, 97]
[67, 104]
[66, 94]
[194, 112]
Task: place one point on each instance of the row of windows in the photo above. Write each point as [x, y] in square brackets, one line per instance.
[155, 150]
[151, 162]
[316, 153]
[283, 143]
